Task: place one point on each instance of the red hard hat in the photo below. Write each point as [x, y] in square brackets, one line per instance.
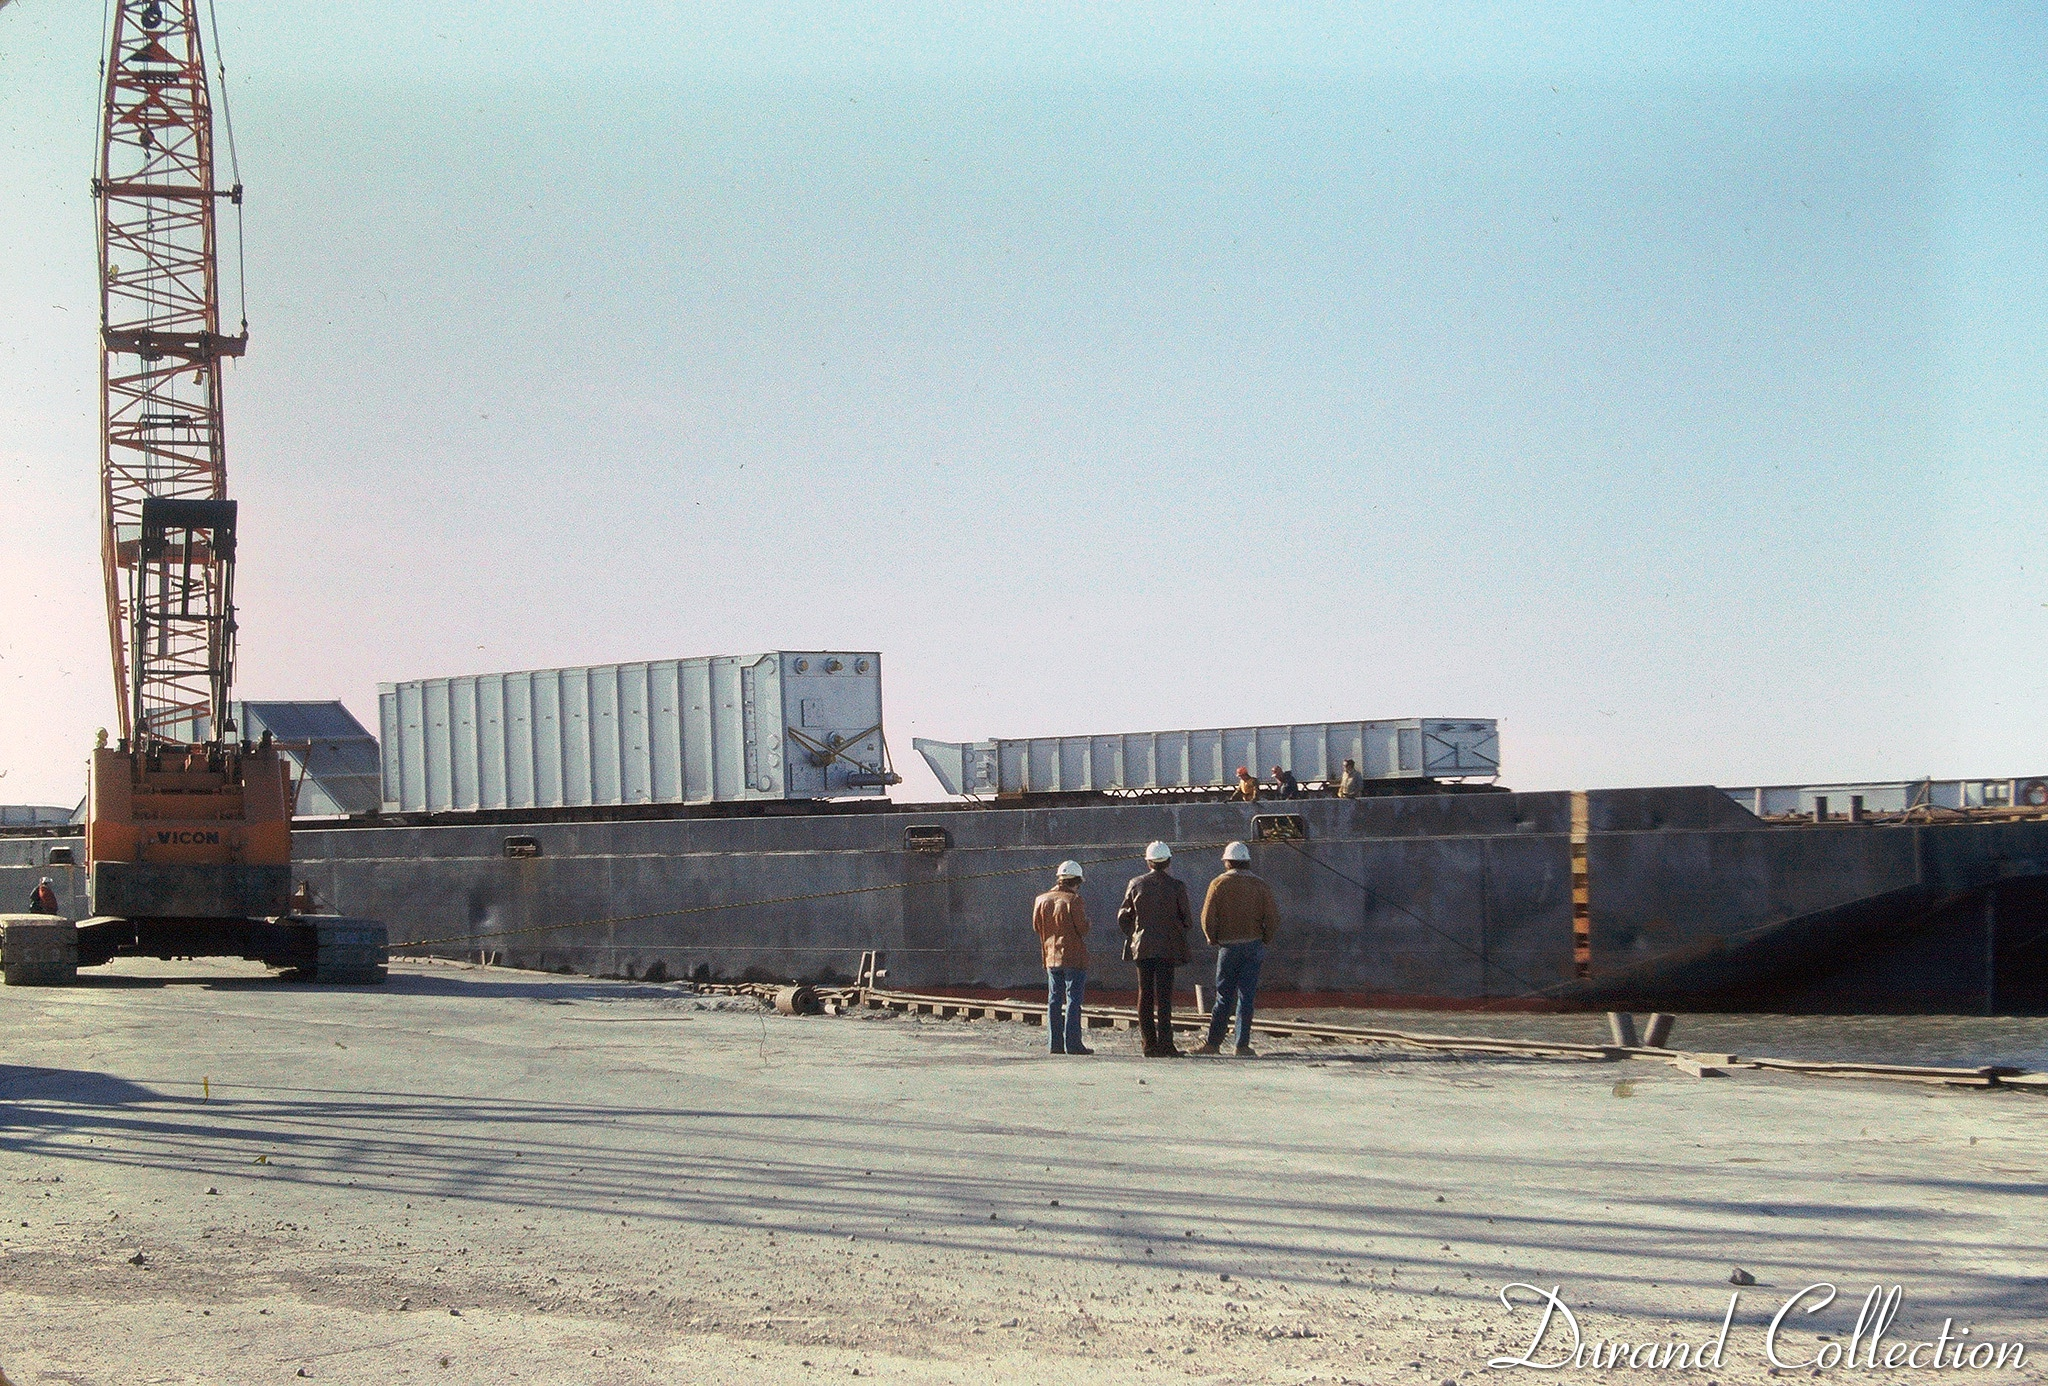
[1242, 771]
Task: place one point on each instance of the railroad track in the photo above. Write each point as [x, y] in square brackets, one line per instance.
[840, 1001]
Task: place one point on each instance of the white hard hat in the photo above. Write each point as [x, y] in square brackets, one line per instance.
[1159, 851]
[1070, 870]
[1237, 851]
[44, 881]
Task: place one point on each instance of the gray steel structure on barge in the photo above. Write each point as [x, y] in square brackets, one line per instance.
[1691, 902]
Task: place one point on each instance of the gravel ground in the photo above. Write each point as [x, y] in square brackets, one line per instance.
[484, 1176]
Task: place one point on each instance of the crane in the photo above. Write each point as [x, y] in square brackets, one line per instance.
[188, 829]
[171, 619]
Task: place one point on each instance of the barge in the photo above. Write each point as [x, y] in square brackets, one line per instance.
[1674, 899]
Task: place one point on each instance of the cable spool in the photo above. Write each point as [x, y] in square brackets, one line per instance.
[799, 999]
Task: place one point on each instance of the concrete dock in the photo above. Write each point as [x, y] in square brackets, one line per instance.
[483, 1175]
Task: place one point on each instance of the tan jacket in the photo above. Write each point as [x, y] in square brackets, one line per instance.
[1155, 917]
[1061, 923]
[1239, 908]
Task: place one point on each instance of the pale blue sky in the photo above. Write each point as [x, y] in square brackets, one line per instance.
[1668, 384]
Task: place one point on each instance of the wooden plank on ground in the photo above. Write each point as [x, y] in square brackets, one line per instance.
[1698, 1069]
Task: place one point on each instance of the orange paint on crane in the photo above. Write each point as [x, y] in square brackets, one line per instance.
[191, 806]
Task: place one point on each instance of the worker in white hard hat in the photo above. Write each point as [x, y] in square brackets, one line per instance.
[1155, 917]
[1238, 917]
[1061, 923]
[44, 900]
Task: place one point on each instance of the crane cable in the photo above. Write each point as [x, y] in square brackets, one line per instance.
[99, 125]
[227, 120]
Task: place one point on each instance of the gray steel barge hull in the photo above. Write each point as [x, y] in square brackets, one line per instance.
[1440, 900]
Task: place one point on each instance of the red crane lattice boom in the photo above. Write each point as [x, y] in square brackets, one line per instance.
[188, 829]
[170, 615]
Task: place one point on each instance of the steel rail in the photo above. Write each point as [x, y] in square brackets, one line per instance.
[841, 1000]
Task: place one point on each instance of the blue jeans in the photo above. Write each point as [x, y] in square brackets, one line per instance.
[1063, 988]
[1237, 985]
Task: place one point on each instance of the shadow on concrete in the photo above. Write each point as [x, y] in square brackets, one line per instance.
[468, 986]
[1316, 1211]
[89, 980]
[23, 1083]
[490, 985]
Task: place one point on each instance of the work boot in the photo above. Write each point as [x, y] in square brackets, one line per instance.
[1084, 1049]
[1245, 1051]
[1212, 1047]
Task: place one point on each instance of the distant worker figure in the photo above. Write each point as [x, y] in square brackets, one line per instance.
[1155, 917]
[44, 900]
[1350, 784]
[1247, 787]
[1061, 923]
[1238, 917]
[1284, 781]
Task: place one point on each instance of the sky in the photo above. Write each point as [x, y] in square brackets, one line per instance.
[1666, 382]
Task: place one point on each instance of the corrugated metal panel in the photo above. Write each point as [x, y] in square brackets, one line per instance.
[33, 815]
[660, 732]
[334, 755]
[1412, 748]
[1893, 796]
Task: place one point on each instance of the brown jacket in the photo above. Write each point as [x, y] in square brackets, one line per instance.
[1155, 917]
[1061, 923]
[1239, 908]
